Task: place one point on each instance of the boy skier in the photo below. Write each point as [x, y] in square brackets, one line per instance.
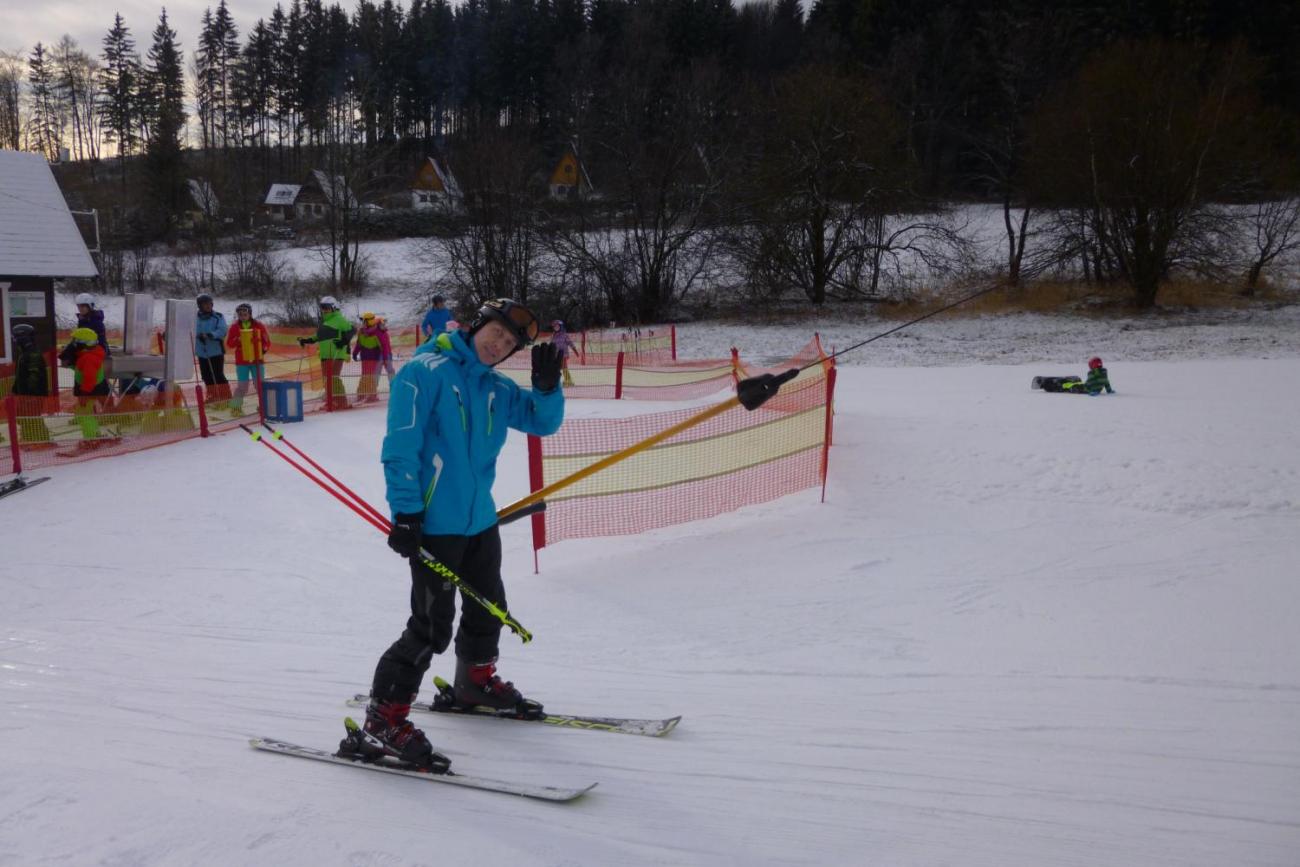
[447, 420]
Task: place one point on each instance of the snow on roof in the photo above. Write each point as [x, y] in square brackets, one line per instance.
[336, 190]
[38, 237]
[283, 194]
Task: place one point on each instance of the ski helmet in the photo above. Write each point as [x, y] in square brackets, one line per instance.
[557, 325]
[1094, 363]
[85, 336]
[330, 301]
[85, 298]
[203, 298]
[24, 333]
[517, 319]
[244, 306]
[367, 316]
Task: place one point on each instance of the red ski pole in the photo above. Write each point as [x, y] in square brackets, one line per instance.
[384, 527]
[279, 437]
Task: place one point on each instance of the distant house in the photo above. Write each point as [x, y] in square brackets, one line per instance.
[39, 243]
[202, 208]
[280, 200]
[569, 178]
[321, 194]
[434, 185]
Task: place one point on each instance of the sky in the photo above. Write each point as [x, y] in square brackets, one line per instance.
[23, 23]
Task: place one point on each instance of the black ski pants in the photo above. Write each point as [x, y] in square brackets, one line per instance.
[477, 560]
[213, 370]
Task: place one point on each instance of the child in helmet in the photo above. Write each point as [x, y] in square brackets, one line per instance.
[86, 357]
[251, 341]
[447, 422]
[210, 346]
[373, 348]
[560, 339]
[1097, 380]
[88, 316]
[333, 339]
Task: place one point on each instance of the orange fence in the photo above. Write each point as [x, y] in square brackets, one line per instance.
[37, 432]
[733, 459]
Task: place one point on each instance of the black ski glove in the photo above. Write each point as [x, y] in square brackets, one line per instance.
[407, 534]
[547, 362]
[303, 341]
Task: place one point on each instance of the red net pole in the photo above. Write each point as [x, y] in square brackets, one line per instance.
[535, 483]
[618, 377]
[830, 415]
[11, 411]
[203, 412]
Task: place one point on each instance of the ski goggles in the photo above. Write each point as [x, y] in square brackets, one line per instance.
[521, 321]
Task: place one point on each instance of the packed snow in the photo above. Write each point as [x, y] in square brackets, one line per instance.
[1023, 629]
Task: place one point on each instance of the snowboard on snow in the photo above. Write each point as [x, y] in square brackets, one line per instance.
[1052, 383]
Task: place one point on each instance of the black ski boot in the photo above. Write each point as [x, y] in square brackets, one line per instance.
[478, 686]
[388, 733]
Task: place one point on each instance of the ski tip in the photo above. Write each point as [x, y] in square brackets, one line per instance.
[350, 724]
[440, 683]
[670, 724]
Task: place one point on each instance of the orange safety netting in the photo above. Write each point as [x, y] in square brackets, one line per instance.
[733, 459]
[641, 345]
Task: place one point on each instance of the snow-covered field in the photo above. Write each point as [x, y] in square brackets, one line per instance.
[1024, 629]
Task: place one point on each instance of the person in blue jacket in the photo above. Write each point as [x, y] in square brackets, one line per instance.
[435, 321]
[448, 413]
[210, 331]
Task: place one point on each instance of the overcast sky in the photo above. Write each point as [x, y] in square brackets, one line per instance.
[23, 23]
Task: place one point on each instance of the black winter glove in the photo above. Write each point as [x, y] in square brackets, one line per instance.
[407, 534]
[547, 362]
[303, 341]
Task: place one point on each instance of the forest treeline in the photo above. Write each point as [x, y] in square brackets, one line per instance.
[1126, 141]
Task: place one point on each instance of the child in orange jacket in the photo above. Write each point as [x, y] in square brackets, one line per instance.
[251, 342]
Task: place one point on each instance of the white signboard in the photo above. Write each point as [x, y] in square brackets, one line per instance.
[180, 340]
[27, 304]
[138, 324]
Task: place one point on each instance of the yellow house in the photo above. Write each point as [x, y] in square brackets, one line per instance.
[569, 178]
[433, 184]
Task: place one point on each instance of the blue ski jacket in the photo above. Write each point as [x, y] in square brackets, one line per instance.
[447, 419]
[210, 335]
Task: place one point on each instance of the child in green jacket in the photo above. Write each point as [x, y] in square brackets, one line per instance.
[1097, 380]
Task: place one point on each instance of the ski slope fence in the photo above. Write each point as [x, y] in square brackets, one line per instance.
[734, 459]
[48, 431]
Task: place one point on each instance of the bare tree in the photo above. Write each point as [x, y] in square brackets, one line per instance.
[498, 251]
[1274, 231]
[664, 149]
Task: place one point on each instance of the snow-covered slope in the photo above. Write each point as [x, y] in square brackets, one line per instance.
[1024, 629]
